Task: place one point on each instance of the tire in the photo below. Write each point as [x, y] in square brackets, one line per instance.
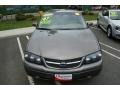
[109, 32]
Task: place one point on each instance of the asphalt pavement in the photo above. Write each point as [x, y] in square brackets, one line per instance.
[12, 69]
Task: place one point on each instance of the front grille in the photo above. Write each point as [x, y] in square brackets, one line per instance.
[71, 63]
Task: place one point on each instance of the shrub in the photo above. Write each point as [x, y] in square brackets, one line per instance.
[20, 17]
[84, 13]
[87, 13]
[34, 19]
[91, 13]
[29, 16]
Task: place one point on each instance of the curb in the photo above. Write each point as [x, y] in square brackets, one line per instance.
[16, 32]
[94, 22]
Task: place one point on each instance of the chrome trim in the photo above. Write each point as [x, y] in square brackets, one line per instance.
[52, 62]
[81, 61]
[74, 62]
[66, 63]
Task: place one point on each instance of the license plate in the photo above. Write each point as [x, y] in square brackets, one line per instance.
[63, 77]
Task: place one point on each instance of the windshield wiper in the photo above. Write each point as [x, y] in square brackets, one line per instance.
[60, 28]
[70, 28]
[44, 28]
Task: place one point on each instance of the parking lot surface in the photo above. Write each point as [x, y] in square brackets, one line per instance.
[12, 68]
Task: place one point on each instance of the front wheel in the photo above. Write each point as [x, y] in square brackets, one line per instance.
[109, 32]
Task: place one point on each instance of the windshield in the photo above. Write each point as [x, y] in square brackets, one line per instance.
[115, 15]
[62, 20]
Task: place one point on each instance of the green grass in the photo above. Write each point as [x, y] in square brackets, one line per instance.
[5, 25]
[90, 17]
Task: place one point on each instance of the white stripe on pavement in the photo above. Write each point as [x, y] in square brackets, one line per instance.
[109, 46]
[31, 82]
[111, 54]
[27, 37]
[20, 48]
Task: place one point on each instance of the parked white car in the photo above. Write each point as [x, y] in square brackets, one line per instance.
[109, 21]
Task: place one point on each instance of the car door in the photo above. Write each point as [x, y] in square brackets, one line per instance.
[102, 18]
[99, 18]
[105, 19]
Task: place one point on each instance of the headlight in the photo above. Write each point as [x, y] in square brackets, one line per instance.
[94, 57]
[32, 58]
[117, 27]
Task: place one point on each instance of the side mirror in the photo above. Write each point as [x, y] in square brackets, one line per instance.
[34, 24]
[106, 17]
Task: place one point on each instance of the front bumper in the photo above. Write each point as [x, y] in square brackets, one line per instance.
[77, 73]
[116, 34]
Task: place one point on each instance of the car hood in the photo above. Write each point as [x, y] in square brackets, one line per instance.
[62, 44]
[116, 22]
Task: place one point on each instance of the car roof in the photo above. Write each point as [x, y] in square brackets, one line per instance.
[62, 11]
[114, 10]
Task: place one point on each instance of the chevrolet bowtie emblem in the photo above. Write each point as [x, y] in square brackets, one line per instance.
[62, 64]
